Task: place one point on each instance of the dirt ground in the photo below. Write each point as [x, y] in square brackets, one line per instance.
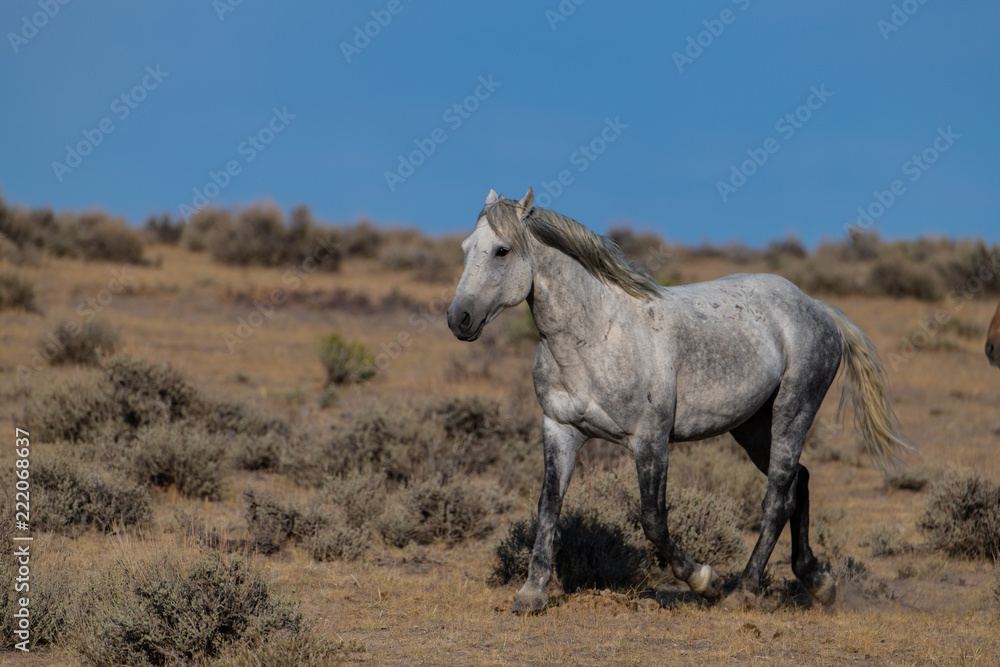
[431, 605]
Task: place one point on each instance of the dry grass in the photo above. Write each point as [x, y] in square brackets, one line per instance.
[430, 602]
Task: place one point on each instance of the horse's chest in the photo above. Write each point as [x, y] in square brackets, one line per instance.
[569, 395]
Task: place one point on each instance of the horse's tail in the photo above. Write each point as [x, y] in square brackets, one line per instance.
[865, 383]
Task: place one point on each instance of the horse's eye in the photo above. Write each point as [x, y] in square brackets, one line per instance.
[502, 251]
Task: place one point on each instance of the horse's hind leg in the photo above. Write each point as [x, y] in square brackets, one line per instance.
[651, 466]
[804, 564]
[787, 495]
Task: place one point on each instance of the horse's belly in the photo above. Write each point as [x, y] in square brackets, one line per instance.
[708, 410]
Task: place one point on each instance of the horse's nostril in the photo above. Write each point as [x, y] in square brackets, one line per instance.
[466, 320]
[989, 349]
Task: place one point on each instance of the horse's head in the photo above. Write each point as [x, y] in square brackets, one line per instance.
[497, 274]
[993, 340]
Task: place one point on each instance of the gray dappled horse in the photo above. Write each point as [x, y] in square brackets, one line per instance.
[624, 359]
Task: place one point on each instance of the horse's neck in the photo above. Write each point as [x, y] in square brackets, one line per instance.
[568, 302]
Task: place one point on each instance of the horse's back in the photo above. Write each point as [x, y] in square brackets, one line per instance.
[733, 341]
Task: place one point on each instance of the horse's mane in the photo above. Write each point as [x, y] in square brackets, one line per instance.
[599, 255]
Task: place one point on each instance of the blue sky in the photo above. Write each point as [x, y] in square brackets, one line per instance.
[695, 146]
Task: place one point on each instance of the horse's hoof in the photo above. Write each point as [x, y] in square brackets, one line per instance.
[529, 602]
[824, 589]
[706, 583]
[740, 600]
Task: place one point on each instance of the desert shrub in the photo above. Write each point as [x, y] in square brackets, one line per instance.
[454, 511]
[163, 230]
[50, 589]
[97, 237]
[16, 293]
[436, 439]
[899, 278]
[722, 469]
[861, 246]
[820, 275]
[383, 442]
[882, 540]
[256, 236]
[85, 345]
[705, 526]
[148, 393]
[589, 553]
[360, 240]
[778, 252]
[336, 542]
[289, 649]
[431, 261]
[260, 452]
[166, 610]
[346, 362]
[971, 269]
[270, 525]
[962, 516]
[907, 479]
[134, 394]
[234, 418]
[72, 411]
[361, 495]
[195, 234]
[176, 454]
[948, 336]
[71, 497]
[322, 530]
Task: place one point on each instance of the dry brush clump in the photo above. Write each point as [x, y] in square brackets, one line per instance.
[132, 394]
[433, 439]
[962, 516]
[92, 236]
[72, 496]
[82, 344]
[345, 361]
[17, 293]
[179, 455]
[179, 609]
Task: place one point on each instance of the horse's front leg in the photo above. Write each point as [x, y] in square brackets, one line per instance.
[560, 443]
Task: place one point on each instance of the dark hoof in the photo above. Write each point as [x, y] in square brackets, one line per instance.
[529, 602]
[824, 588]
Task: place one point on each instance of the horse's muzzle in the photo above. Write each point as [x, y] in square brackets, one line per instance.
[461, 323]
[993, 353]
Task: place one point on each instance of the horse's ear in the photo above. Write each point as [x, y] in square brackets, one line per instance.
[492, 197]
[524, 206]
